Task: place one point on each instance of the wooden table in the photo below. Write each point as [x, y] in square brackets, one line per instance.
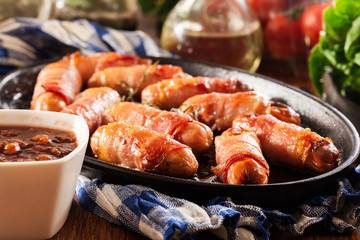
[82, 224]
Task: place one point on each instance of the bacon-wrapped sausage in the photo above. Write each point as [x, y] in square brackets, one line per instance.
[58, 83]
[218, 110]
[136, 77]
[56, 86]
[171, 93]
[180, 126]
[91, 105]
[87, 65]
[290, 144]
[143, 149]
[239, 158]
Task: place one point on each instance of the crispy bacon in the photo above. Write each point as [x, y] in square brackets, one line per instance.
[91, 105]
[171, 93]
[290, 144]
[239, 158]
[143, 149]
[218, 110]
[137, 77]
[178, 125]
[59, 82]
[87, 65]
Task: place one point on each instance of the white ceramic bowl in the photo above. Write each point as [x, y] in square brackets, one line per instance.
[36, 196]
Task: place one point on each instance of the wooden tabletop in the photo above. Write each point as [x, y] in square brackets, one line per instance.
[81, 224]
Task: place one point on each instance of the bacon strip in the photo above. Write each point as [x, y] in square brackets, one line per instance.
[91, 105]
[133, 77]
[143, 149]
[171, 93]
[178, 125]
[218, 110]
[239, 158]
[58, 83]
[60, 79]
[290, 144]
[87, 65]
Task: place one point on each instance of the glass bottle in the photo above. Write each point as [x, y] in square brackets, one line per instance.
[220, 31]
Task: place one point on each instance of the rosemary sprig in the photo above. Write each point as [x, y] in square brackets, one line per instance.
[194, 113]
[132, 92]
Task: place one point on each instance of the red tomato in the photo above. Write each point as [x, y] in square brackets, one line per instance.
[266, 8]
[311, 22]
[283, 38]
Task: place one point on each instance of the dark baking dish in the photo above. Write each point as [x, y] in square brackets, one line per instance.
[286, 187]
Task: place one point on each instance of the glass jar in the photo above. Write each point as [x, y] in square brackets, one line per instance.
[219, 31]
[24, 8]
[119, 14]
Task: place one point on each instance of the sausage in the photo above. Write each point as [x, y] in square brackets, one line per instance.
[218, 110]
[49, 101]
[58, 83]
[239, 158]
[87, 65]
[143, 149]
[133, 78]
[62, 80]
[178, 125]
[290, 144]
[171, 93]
[91, 105]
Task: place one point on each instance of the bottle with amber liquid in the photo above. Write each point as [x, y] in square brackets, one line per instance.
[225, 32]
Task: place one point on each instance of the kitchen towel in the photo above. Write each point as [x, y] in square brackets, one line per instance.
[159, 216]
[24, 41]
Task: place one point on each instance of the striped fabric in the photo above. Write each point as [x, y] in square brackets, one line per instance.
[159, 216]
[24, 41]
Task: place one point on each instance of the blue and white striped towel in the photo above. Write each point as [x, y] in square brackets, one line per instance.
[24, 41]
[142, 209]
[159, 216]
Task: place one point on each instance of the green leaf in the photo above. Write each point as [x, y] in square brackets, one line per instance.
[349, 9]
[335, 25]
[335, 54]
[317, 67]
[339, 47]
[352, 42]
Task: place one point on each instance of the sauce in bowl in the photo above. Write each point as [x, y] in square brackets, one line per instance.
[22, 143]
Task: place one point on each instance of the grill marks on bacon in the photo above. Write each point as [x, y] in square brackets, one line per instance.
[218, 110]
[170, 93]
[143, 149]
[290, 144]
[91, 105]
[178, 125]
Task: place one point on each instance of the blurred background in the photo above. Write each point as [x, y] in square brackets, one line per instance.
[271, 37]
